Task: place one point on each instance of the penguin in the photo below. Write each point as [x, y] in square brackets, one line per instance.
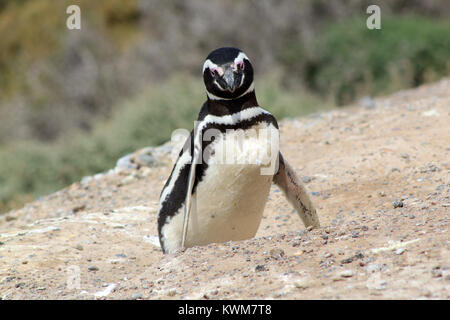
[219, 185]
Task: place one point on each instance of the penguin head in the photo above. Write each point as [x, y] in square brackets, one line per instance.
[227, 73]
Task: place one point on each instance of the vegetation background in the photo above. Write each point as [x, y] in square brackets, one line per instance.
[73, 101]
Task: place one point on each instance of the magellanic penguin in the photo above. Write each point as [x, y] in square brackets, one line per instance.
[220, 183]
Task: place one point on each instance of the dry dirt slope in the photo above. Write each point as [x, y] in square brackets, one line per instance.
[95, 239]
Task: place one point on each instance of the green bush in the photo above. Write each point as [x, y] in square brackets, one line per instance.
[348, 60]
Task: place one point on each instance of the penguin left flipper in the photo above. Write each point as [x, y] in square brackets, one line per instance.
[295, 192]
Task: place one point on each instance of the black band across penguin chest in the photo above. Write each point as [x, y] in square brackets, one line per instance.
[215, 129]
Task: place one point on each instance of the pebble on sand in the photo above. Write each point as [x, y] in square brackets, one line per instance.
[346, 274]
[136, 296]
[397, 204]
[260, 267]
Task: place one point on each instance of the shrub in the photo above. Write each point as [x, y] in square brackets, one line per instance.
[348, 60]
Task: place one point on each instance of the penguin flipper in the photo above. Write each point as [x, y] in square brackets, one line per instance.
[295, 192]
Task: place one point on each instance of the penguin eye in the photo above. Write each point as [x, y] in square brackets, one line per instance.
[240, 65]
[213, 72]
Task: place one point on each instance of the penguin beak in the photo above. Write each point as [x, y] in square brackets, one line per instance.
[228, 76]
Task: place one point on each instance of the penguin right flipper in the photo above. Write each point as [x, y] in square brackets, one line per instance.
[295, 192]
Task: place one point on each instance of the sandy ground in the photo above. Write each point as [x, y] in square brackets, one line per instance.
[379, 176]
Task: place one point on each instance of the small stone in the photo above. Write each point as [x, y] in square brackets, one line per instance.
[399, 251]
[136, 296]
[260, 267]
[315, 193]
[125, 163]
[214, 292]
[301, 284]
[78, 208]
[79, 247]
[346, 274]
[206, 296]
[93, 268]
[172, 292]
[306, 179]
[411, 216]
[359, 255]
[347, 260]
[20, 285]
[397, 204]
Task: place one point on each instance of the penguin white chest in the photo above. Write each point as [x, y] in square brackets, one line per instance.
[229, 200]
